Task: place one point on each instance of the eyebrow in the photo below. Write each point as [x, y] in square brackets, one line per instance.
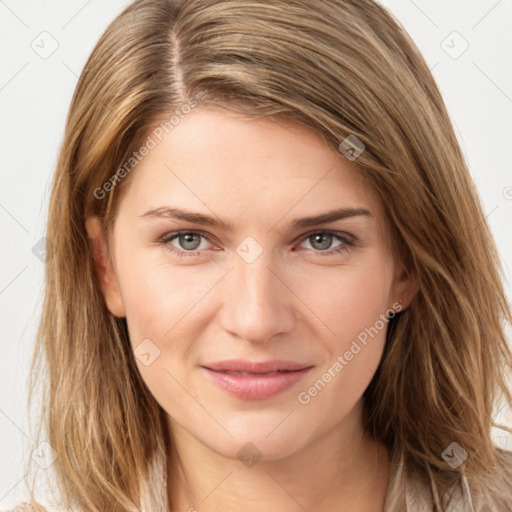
[215, 222]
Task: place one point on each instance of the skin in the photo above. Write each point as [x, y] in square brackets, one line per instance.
[291, 303]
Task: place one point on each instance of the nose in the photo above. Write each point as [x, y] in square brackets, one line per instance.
[257, 304]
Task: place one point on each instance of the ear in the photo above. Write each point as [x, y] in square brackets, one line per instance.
[103, 267]
[405, 287]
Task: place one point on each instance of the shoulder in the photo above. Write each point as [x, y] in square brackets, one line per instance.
[495, 493]
[485, 495]
[412, 492]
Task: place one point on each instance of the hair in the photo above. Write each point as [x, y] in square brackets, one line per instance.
[344, 67]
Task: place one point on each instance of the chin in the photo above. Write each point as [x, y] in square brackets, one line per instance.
[252, 441]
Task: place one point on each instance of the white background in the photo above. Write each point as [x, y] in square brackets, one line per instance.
[35, 94]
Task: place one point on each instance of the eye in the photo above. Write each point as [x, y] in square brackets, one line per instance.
[189, 242]
[322, 240]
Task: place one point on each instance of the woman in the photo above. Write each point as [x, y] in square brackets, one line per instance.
[206, 348]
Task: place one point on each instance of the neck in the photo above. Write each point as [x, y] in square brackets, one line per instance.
[342, 470]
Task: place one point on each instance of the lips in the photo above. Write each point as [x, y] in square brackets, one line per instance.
[255, 380]
[248, 374]
[250, 367]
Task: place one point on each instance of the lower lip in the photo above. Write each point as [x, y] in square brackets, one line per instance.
[257, 387]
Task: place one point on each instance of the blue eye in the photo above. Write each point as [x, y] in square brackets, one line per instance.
[190, 242]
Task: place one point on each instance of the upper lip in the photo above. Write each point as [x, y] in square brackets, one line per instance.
[239, 365]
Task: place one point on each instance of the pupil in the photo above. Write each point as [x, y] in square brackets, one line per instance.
[325, 237]
[188, 238]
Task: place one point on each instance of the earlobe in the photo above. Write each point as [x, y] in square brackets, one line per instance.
[104, 270]
[405, 287]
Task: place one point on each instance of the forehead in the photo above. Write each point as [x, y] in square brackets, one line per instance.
[219, 160]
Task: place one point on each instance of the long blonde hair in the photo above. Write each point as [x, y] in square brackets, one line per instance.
[340, 67]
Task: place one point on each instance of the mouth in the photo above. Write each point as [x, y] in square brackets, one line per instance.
[248, 374]
[255, 381]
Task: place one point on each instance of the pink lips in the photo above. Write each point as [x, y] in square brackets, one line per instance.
[253, 380]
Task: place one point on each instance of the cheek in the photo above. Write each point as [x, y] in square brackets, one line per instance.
[354, 310]
[164, 311]
[157, 294]
[351, 299]
[352, 357]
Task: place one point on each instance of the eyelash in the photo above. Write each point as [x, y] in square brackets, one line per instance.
[348, 242]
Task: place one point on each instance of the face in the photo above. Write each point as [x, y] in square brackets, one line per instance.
[252, 278]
